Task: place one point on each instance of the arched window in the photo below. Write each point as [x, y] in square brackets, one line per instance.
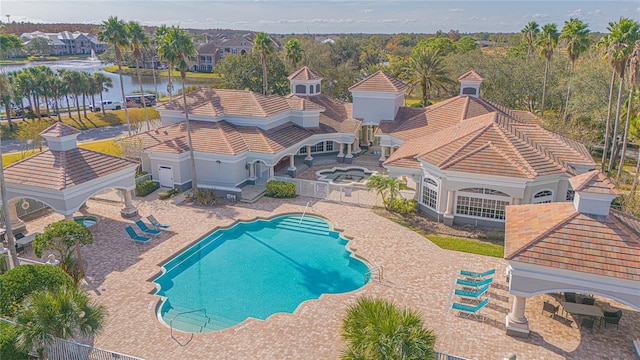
[482, 202]
[544, 196]
[301, 89]
[469, 91]
[310, 89]
[317, 88]
[430, 193]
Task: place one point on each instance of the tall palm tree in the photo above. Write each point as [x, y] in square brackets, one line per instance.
[114, 32]
[6, 96]
[59, 313]
[294, 52]
[182, 47]
[264, 45]
[576, 34]
[426, 70]
[547, 43]
[375, 329]
[529, 34]
[104, 83]
[634, 68]
[25, 85]
[139, 41]
[166, 54]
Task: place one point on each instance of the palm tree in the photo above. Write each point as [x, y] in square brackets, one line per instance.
[6, 95]
[385, 186]
[529, 34]
[59, 313]
[139, 41]
[264, 45]
[114, 32]
[576, 34]
[375, 329]
[165, 52]
[294, 52]
[104, 83]
[182, 47]
[634, 68]
[547, 43]
[73, 79]
[426, 69]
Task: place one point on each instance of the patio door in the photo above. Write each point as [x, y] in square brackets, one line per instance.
[165, 175]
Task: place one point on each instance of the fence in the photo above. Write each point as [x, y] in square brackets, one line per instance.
[354, 194]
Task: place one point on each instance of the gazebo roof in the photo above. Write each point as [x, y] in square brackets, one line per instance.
[59, 129]
[594, 182]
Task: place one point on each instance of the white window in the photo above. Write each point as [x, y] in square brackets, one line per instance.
[544, 196]
[430, 193]
[329, 146]
[570, 194]
[483, 203]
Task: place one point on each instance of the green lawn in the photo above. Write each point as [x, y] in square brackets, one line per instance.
[104, 146]
[165, 73]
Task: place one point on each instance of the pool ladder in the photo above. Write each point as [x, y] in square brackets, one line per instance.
[183, 313]
[376, 270]
[304, 212]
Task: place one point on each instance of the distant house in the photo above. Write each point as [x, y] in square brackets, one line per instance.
[326, 39]
[68, 43]
[221, 45]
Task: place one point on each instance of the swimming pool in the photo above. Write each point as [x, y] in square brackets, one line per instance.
[339, 175]
[255, 269]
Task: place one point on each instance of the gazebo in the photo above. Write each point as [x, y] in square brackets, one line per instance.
[65, 176]
[582, 247]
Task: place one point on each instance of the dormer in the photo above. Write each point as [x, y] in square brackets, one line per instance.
[378, 97]
[305, 82]
[470, 84]
[594, 193]
[61, 137]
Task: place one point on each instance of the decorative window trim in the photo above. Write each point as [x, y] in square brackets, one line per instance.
[542, 197]
[482, 203]
[430, 193]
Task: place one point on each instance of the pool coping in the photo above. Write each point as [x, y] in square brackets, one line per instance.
[159, 302]
[323, 178]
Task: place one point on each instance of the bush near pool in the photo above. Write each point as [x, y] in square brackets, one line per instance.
[146, 187]
[280, 189]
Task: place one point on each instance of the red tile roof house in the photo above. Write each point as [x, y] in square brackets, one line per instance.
[468, 156]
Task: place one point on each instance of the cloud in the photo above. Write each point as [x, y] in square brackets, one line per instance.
[367, 11]
[456, 10]
[575, 13]
[596, 12]
[539, 16]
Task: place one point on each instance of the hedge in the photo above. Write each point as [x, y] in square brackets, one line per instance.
[8, 336]
[401, 205]
[280, 189]
[146, 187]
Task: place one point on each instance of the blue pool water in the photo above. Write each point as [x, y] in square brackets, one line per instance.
[256, 269]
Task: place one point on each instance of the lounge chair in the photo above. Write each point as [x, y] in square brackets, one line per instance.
[135, 237]
[156, 224]
[474, 284]
[477, 275]
[145, 229]
[473, 295]
[469, 311]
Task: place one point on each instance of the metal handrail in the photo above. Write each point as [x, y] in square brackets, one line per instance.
[304, 212]
[379, 269]
[183, 313]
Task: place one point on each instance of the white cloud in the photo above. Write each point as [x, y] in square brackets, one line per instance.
[596, 12]
[367, 11]
[539, 16]
[456, 10]
[575, 13]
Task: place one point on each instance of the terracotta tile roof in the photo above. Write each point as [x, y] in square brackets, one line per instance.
[60, 170]
[337, 116]
[558, 236]
[380, 81]
[222, 138]
[471, 75]
[218, 102]
[594, 182]
[300, 103]
[305, 74]
[59, 129]
[528, 117]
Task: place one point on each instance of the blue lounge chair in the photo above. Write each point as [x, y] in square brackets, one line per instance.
[474, 284]
[469, 311]
[156, 224]
[145, 229]
[477, 275]
[474, 295]
[135, 237]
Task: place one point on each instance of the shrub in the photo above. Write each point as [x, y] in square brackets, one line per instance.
[19, 282]
[146, 187]
[401, 205]
[204, 197]
[280, 189]
[168, 194]
[8, 337]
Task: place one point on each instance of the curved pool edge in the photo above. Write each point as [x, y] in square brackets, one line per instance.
[323, 178]
[243, 324]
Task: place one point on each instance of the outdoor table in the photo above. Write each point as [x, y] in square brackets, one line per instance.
[582, 309]
[27, 240]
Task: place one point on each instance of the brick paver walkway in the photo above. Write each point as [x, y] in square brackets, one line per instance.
[417, 274]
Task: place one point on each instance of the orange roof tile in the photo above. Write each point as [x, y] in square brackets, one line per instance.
[471, 75]
[303, 104]
[594, 182]
[557, 235]
[337, 116]
[305, 74]
[59, 129]
[60, 170]
[380, 81]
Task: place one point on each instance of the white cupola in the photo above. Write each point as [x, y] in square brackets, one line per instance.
[305, 82]
[470, 84]
[61, 137]
[377, 97]
[594, 193]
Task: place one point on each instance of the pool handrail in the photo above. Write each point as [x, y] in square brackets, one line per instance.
[304, 212]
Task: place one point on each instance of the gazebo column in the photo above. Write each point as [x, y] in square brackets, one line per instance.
[448, 214]
[365, 135]
[341, 153]
[292, 167]
[356, 146]
[383, 154]
[17, 225]
[348, 158]
[68, 217]
[129, 210]
[272, 172]
[516, 321]
[308, 159]
[370, 134]
[252, 173]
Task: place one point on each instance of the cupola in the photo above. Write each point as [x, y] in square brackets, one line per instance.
[305, 82]
[377, 97]
[594, 193]
[61, 137]
[470, 84]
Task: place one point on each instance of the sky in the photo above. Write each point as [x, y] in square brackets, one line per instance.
[318, 17]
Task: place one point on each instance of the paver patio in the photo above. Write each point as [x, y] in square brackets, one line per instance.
[417, 274]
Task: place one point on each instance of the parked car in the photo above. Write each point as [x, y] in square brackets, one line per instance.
[107, 105]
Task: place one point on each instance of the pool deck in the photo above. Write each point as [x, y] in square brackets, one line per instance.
[417, 274]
